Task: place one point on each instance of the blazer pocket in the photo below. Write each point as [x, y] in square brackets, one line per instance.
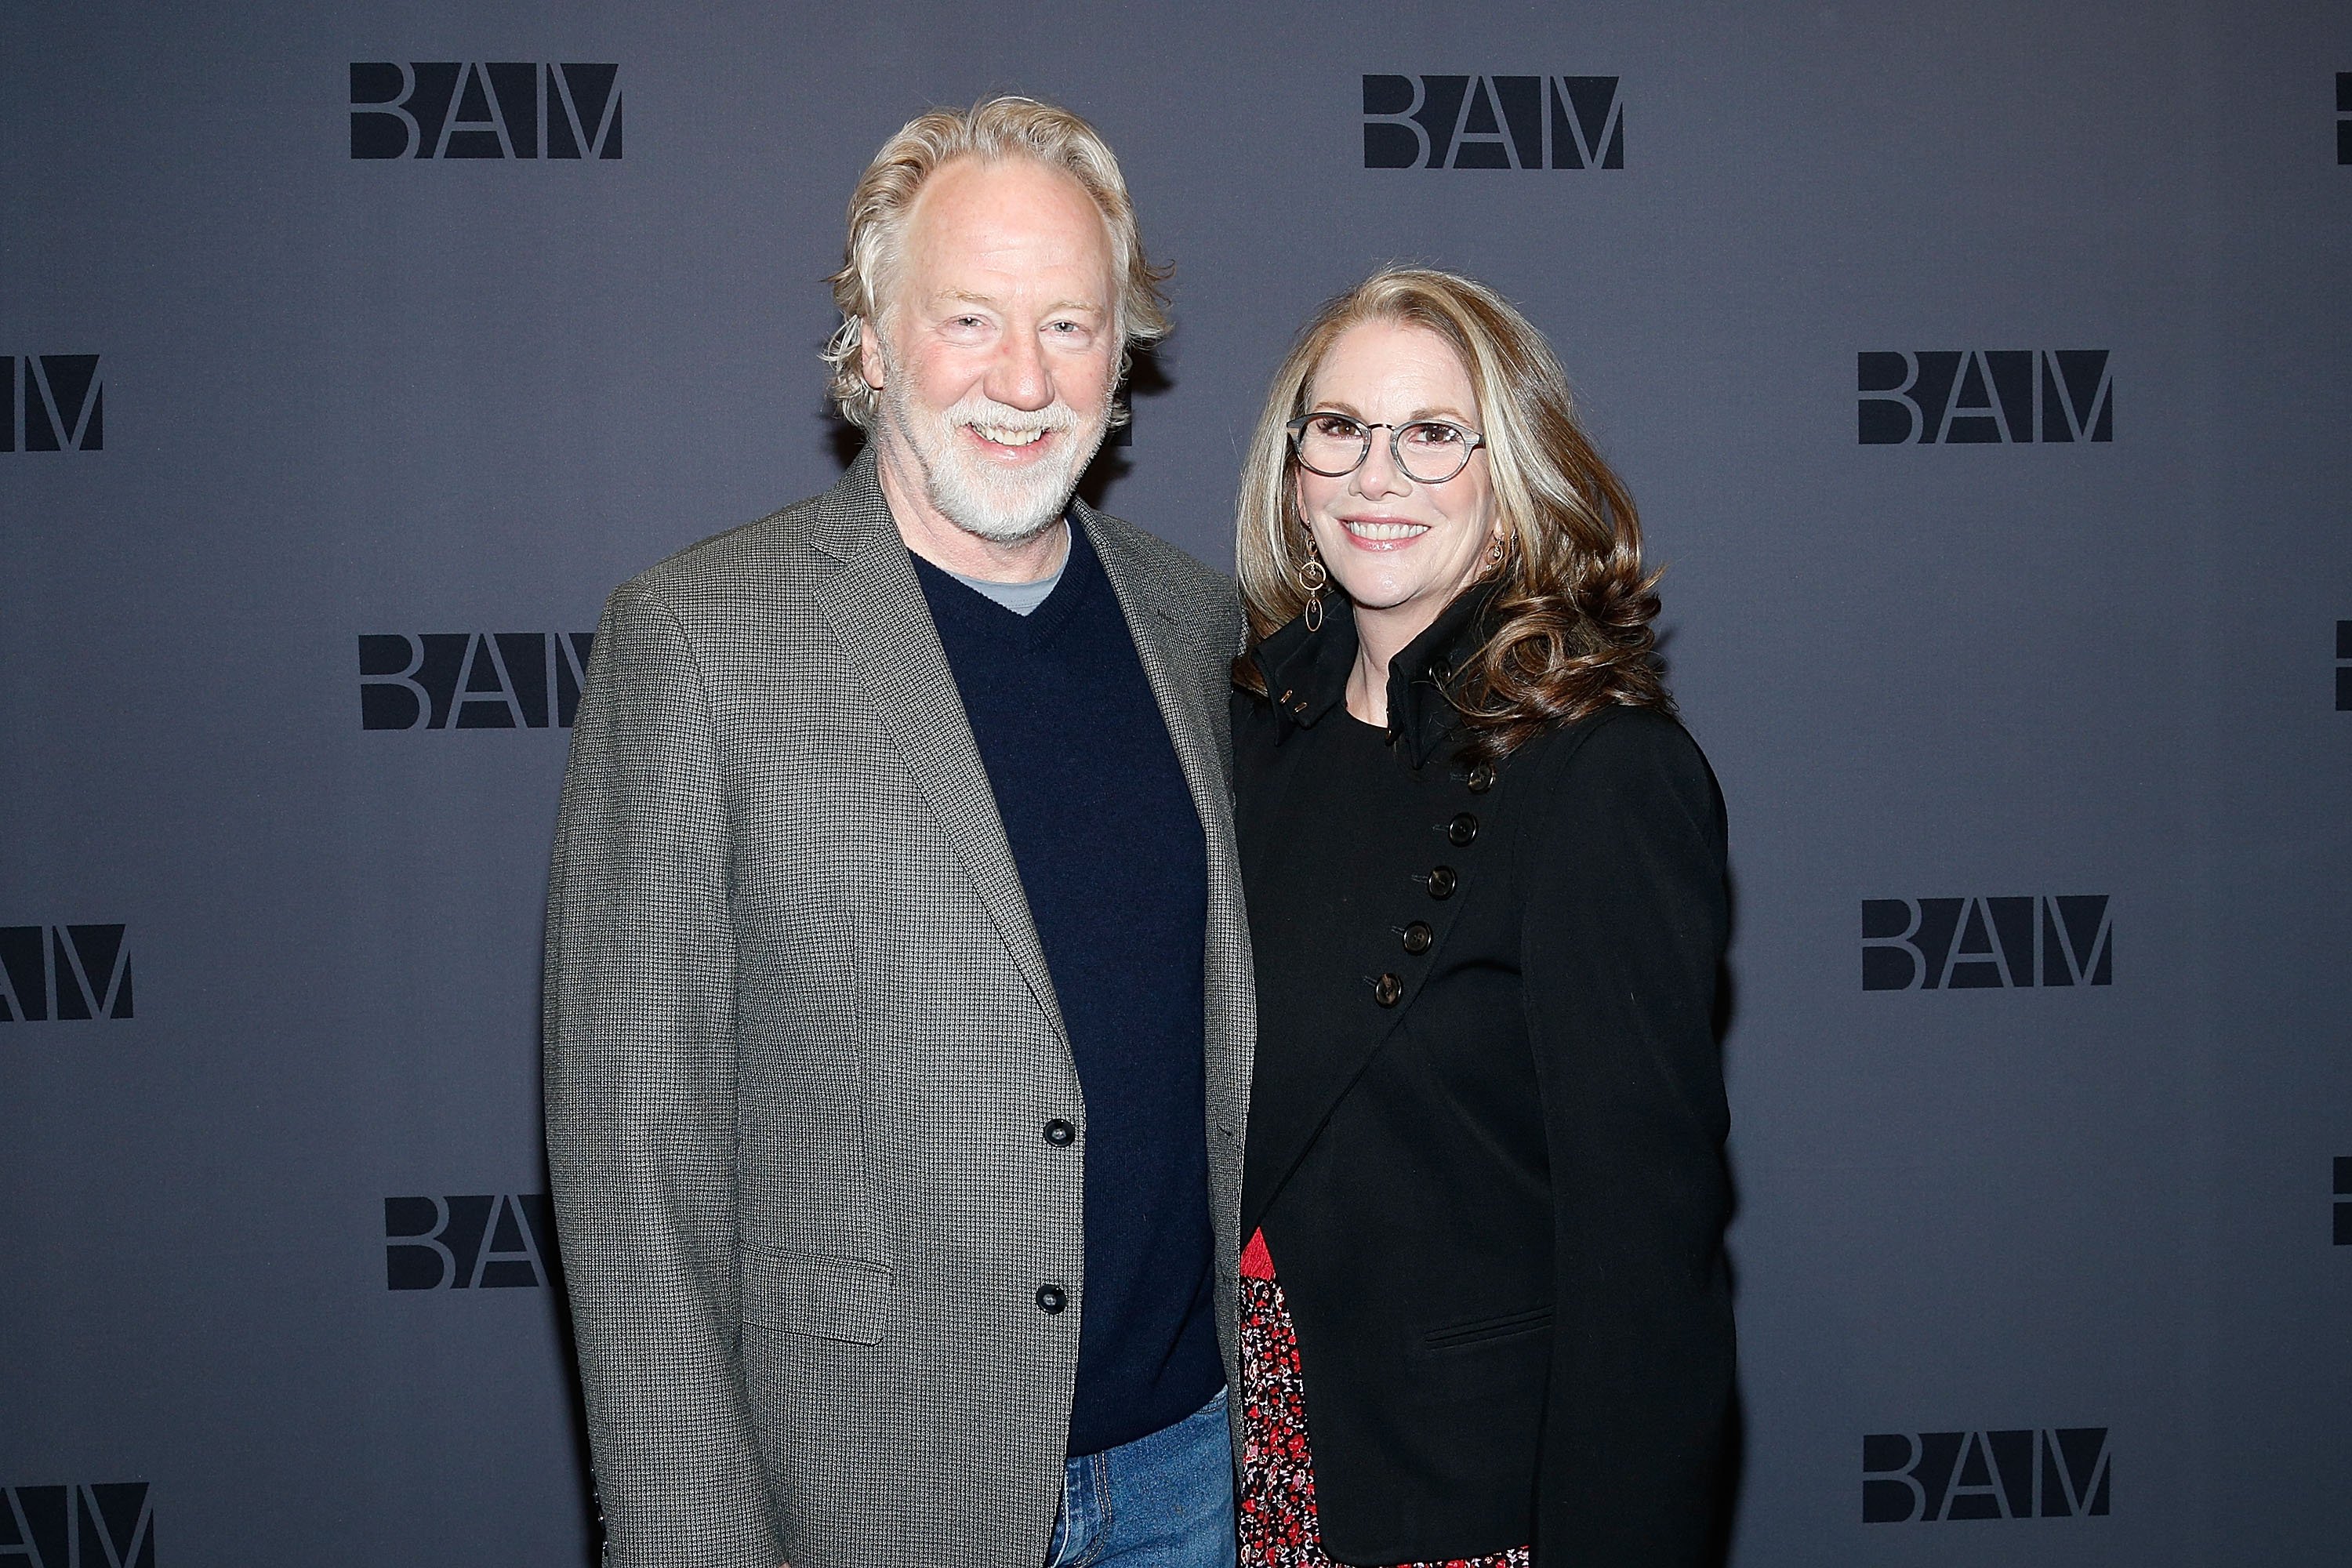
[1481, 1330]
[807, 1293]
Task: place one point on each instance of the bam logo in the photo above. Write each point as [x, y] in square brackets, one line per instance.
[1960, 944]
[2344, 1200]
[2026, 1474]
[1984, 395]
[471, 681]
[64, 971]
[108, 1525]
[475, 1243]
[1492, 122]
[60, 398]
[2343, 117]
[2344, 666]
[502, 108]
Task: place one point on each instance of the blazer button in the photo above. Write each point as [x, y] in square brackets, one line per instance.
[1481, 779]
[1050, 1300]
[1442, 881]
[1387, 989]
[1462, 830]
[1060, 1133]
[1417, 937]
[1441, 671]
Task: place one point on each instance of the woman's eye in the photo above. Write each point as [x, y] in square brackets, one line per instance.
[1433, 434]
[1333, 426]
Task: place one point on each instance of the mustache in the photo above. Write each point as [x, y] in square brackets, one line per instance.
[977, 410]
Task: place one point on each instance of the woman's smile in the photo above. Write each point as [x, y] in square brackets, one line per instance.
[1381, 533]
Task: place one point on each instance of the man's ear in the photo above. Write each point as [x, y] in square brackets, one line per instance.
[869, 354]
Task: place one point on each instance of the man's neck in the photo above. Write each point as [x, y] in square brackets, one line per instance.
[937, 540]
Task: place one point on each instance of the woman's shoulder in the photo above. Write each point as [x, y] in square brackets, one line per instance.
[1256, 728]
[1619, 749]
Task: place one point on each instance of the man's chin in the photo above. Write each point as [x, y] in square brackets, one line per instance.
[1013, 523]
[998, 531]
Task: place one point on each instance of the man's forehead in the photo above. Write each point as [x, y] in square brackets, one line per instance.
[1013, 213]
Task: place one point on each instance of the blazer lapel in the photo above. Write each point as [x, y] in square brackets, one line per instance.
[1196, 728]
[1154, 627]
[875, 604]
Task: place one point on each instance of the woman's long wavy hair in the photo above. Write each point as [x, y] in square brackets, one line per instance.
[1570, 623]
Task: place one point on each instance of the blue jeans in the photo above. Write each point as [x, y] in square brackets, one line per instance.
[1161, 1502]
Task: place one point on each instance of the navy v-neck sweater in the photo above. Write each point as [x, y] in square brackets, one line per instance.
[1112, 856]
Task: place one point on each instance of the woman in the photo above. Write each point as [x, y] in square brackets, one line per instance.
[1487, 1317]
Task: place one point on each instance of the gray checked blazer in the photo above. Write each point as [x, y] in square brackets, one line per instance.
[801, 1043]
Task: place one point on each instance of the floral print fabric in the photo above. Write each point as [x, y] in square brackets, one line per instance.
[1277, 1507]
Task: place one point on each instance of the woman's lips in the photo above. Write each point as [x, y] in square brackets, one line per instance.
[1382, 536]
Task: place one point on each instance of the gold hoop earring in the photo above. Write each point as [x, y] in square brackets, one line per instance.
[1315, 578]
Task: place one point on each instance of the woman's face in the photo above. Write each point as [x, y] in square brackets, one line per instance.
[1401, 548]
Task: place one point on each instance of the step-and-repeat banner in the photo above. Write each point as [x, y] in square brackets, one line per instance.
[1981, 372]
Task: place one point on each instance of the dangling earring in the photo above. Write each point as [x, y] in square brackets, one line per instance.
[1314, 577]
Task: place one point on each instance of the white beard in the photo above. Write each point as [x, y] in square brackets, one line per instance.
[1002, 507]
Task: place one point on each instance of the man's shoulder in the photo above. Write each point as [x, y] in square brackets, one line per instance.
[765, 558]
[1175, 572]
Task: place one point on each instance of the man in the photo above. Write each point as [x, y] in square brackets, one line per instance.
[899, 1001]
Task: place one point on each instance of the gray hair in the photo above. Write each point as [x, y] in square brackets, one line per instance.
[995, 128]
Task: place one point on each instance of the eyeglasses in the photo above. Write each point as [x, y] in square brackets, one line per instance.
[1427, 451]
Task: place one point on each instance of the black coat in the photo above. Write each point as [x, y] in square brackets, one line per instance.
[1485, 1137]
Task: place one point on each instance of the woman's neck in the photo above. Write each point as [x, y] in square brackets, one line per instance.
[1380, 635]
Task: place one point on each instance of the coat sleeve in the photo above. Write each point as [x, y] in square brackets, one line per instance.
[640, 1090]
[1626, 921]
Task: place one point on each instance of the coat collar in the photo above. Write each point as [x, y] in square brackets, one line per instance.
[875, 604]
[1306, 672]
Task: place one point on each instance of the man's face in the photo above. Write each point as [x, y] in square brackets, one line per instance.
[997, 350]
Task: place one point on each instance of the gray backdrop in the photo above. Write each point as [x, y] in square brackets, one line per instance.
[2079, 1256]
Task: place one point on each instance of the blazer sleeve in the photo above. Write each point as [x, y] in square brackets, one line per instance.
[640, 1094]
[1625, 926]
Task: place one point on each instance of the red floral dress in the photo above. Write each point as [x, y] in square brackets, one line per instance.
[1276, 1508]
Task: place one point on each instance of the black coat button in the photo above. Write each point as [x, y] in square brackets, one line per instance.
[1441, 672]
[1481, 779]
[1387, 989]
[1050, 1300]
[1417, 937]
[1442, 881]
[1060, 1133]
[1462, 831]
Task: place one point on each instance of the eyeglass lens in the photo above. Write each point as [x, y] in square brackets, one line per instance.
[1430, 451]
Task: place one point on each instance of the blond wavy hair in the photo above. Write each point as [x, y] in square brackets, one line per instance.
[993, 128]
[1570, 625]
